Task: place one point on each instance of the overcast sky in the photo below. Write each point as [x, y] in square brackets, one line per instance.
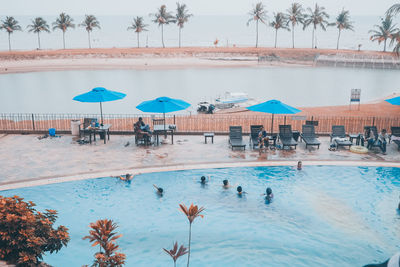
[197, 7]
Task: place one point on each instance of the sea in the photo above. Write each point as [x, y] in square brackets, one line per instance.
[200, 31]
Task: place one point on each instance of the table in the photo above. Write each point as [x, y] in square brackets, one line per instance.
[208, 135]
[159, 129]
[101, 129]
[355, 136]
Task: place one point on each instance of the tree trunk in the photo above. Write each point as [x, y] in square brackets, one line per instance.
[38, 38]
[174, 263]
[256, 33]
[180, 36]
[64, 39]
[337, 46]
[384, 46]
[162, 35]
[312, 41]
[90, 45]
[276, 36]
[138, 41]
[9, 41]
[292, 35]
[190, 238]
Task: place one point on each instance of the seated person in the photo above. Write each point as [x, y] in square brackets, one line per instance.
[371, 139]
[263, 138]
[144, 127]
[138, 131]
[382, 140]
[159, 191]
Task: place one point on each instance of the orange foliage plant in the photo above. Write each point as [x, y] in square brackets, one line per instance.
[25, 234]
[103, 234]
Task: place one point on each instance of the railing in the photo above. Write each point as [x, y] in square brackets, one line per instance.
[192, 123]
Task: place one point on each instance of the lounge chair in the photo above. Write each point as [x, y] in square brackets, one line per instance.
[286, 136]
[339, 132]
[395, 132]
[254, 131]
[309, 137]
[86, 123]
[235, 137]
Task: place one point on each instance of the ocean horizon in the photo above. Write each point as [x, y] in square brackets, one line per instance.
[200, 31]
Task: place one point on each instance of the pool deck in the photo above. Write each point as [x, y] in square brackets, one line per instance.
[27, 161]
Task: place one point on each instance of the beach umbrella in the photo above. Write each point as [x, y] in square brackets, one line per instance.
[394, 101]
[274, 107]
[99, 95]
[163, 105]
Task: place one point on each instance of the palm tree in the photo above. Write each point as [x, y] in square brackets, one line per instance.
[38, 25]
[393, 10]
[258, 13]
[162, 17]
[295, 16]
[343, 23]
[316, 17]
[90, 23]
[63, 22]
[396, 38]
[192, 213]
[138, 26]
[175, 253]
[181, 17]
[280, 22]
[384, 31]
[10, 25]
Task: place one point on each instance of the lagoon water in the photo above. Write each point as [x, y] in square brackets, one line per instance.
[52, 92]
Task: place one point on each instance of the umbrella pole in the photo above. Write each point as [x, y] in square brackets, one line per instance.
[101, 114]
[165, 132]
[285, 121]
[272, 123]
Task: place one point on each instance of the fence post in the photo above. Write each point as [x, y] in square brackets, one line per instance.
[33, 122]
[373, 121]
[174, 119]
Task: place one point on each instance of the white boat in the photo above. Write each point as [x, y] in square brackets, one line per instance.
[230, 99]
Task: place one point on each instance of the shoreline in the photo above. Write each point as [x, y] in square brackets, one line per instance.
[164, 58]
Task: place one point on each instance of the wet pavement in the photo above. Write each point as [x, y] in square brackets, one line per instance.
[25, 158]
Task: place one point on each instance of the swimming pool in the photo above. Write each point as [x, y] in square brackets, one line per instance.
[320, 216]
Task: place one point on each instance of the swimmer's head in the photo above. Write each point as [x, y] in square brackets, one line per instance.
[160, 190]
[203, 179]
[225, 182]
[239, 189]
[299, 164]
[269, 191]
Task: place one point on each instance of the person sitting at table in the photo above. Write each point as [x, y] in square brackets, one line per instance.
[144, 127]
[139, 132]
[263, 139]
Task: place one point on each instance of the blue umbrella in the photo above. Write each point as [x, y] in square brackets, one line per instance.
[394, 101]
[99, 95]
[163, 105]
[274, 107]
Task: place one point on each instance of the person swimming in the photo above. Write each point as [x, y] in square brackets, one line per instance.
[299, 165]
[160, 191]
[127, 177]
[268, 194]
[204, 180]
[225, 184]
[240, 191]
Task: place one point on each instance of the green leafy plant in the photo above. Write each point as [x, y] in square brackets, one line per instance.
[103, 234]
[138, 26]
[63, 22]
[162, 17]
[26, 234]
[191, 213]
[89, 24]
[38, 25]
[10, 25]
[175, 253]
[258, 13]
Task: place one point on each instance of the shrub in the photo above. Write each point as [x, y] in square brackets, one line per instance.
[26, 234]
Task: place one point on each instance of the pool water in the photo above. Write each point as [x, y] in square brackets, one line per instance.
[320, 216]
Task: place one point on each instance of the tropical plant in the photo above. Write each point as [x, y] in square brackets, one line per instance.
[138, 26]
[258, 13]
[26, 234]
[181, 17]
[63, 22]
[38, 25]
[384, 31]
[393, 10]
[103, 234]
[191, 213]
[316, 17]
[10, 25]
[343, 23]
[280, 22]
[295, 16]
[90, 23]
[175, 253]
[162, 17]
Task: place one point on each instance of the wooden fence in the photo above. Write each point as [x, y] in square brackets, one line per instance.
[193, 123]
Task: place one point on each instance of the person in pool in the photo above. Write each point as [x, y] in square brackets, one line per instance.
[225, 184]
[127, 177]
[299, 165]
[204, 180]
[240, 191]
[160, 191]
[268, 194]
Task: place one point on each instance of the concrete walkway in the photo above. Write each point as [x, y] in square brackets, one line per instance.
[25, 160]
